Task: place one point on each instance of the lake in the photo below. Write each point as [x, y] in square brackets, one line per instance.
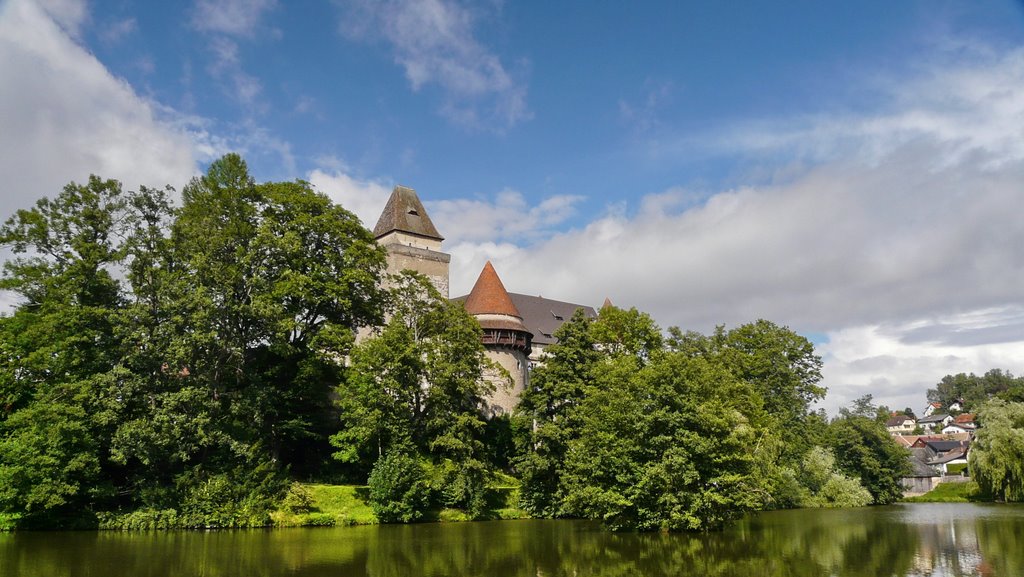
[937, 540]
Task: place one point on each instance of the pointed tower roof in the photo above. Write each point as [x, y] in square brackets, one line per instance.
[489, 296]
[405, 213]
[607, 303]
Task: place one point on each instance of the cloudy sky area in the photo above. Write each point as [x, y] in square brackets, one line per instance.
[852, 170]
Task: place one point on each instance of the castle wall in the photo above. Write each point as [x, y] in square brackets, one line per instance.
[413, 240]
[430, 263]
[505, 398]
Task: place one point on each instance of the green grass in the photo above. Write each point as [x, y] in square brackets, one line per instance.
[951, 493]
[331, 505]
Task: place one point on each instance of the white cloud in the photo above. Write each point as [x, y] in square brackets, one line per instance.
[231, 17]
[65, 116]
[507, 216]
[434, 42]
[903, 229]
[365, 198]
[70, 15]
[897, 368]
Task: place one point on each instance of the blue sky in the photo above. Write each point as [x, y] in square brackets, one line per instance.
[849, 169]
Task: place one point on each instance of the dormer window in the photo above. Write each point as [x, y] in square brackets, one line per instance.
[413, 212]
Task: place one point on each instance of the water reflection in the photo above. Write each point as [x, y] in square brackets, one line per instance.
[907, 540]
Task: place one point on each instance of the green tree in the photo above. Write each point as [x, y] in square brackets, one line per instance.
[864, 450]
[418, 385]
[627, 332]
[56, 347]
[826, 485]
[973, 390]
[381, 402]
[277, 278]
[548, 411]
[665, 446]
[997, 454]
[398, 488]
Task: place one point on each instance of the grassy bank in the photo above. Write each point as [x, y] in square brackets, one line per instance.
[968, 492]
[315, 505]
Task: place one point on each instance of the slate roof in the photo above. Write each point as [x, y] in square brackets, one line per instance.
[937, 418]
[957, 453]
[919, 466]
[405, 213]
[543, 316]
[944, 446]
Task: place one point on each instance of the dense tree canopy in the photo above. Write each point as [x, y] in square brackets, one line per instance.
[997, 454]
[184, 362]
[973, 390]
[212, 358]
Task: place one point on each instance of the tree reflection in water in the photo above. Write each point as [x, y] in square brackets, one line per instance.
[935, 540]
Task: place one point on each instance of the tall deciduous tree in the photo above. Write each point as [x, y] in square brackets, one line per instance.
[57, 346]
[997, 454]
[865, 450]
[665, 446]
[548, 411]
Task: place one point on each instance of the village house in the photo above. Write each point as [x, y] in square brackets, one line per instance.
[963, 423]
[941, 453]
[934, 423]
[901, 424]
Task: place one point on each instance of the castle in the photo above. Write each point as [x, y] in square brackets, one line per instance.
[516, 327]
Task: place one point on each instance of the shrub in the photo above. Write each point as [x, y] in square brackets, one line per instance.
[298, 499]
[398, 489]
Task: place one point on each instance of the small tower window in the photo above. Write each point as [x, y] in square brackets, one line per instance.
[413, 212]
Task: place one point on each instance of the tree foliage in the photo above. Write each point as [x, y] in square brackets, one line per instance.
[864, 450]
[972, 390]
[997, 454]
[417, 387]
[158, 351]
[665, 446]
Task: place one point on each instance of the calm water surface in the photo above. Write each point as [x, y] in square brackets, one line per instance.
[937, 540]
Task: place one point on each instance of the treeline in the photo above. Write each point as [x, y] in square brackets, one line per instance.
[996, 458]
[972, 391]
[690, 431]
[185, 364]
[181, 359]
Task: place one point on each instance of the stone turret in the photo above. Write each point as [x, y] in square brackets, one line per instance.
[506, 338]
[411, 239]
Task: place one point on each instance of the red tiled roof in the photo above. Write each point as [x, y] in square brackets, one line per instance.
[489, 295]
[964, 418]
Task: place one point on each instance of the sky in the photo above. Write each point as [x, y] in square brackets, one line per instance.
[851, 170]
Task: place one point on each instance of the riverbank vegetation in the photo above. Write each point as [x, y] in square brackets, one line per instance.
[185, 366]
[962, 492]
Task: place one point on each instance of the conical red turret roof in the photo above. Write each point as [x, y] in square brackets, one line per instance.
[489, 295]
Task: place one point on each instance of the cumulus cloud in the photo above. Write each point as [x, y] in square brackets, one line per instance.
[505, 216]
[892, 363]
[70, 15]
[365, 198]
[903, 226]
[65, 116]
[434, 42]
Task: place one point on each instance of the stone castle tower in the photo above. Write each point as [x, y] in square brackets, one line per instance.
[506, 338]
[413, 242]
[411, 239]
